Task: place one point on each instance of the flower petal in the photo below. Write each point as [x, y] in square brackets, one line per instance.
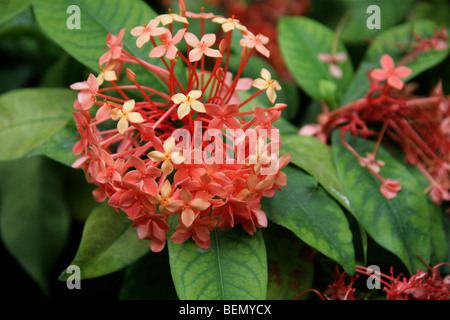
[191, 39]
[156, 156]
[122, 125]
[178, 98]
[195, 94]
[386, 62]
[183, 110]
[198, 106]
[135, 117]
[195, 54]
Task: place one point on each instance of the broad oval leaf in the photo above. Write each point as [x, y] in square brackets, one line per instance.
[307, 210]
[388, 42]
[400, 225]
[108, 244]
[316, 158]
[30, 117]
[291, 271]
[34, 217]
[301, 41]
[234, 268]
[11, 8]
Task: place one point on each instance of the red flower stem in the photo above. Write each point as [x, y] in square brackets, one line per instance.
[165, 115]
[380, 138]
[242, 65]
[253, 96]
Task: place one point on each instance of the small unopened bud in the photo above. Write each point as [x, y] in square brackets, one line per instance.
[222, 46]
[280, 106]
[323, 118]
[131, 75]
[244, 52]
[220, 73]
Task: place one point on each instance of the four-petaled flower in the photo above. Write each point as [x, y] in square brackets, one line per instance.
[199, 231]
[168, 45]
[125, 116]
[229, 24]
[144, 33]
[143, 177]
[114, 43]
[223, 115]
[167, 155]
[257, 42]
[88, 90]
[201, 47]
[189, 207]
[188, 102]
[333, 60]
[390, 72]
[266, 83]
[260, 154]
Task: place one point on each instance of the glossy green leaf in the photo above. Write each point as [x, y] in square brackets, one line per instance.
[316, 158]
[108, 244]
[301, 41]
[30, 117]
[34, 218]
[290, 271]
[400, 225]
[234, 268]
[388, 42]
[10, 8]
[59, 145]
[357, 16]
[98, 18]
[308, 211]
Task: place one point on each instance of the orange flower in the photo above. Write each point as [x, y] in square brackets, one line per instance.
[390, 72]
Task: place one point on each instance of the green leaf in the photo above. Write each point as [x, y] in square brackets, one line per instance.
[301, 40]
[307, 210]
[34, 218]
[234, 268]
[385, 43]
[98, 18]
[148, 278]
[59, 146]
[290, 271]
[355, 26]
[108, 244]
[316, 158]
[400, 225]
[30, 117]
[330, 93]
[10, 8]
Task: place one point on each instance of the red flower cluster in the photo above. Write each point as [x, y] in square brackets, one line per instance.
[182, 146]
[420, 286]
[418, 125]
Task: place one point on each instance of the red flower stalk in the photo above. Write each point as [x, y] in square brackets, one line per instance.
[181, 147]
[418, 125]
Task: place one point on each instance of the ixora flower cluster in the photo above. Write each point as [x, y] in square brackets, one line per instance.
[419, 286]
[180, 144]
[420, 126]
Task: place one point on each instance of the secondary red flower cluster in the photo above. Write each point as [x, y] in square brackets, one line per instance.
[180, 144]
[419, 286]
[418, 125]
